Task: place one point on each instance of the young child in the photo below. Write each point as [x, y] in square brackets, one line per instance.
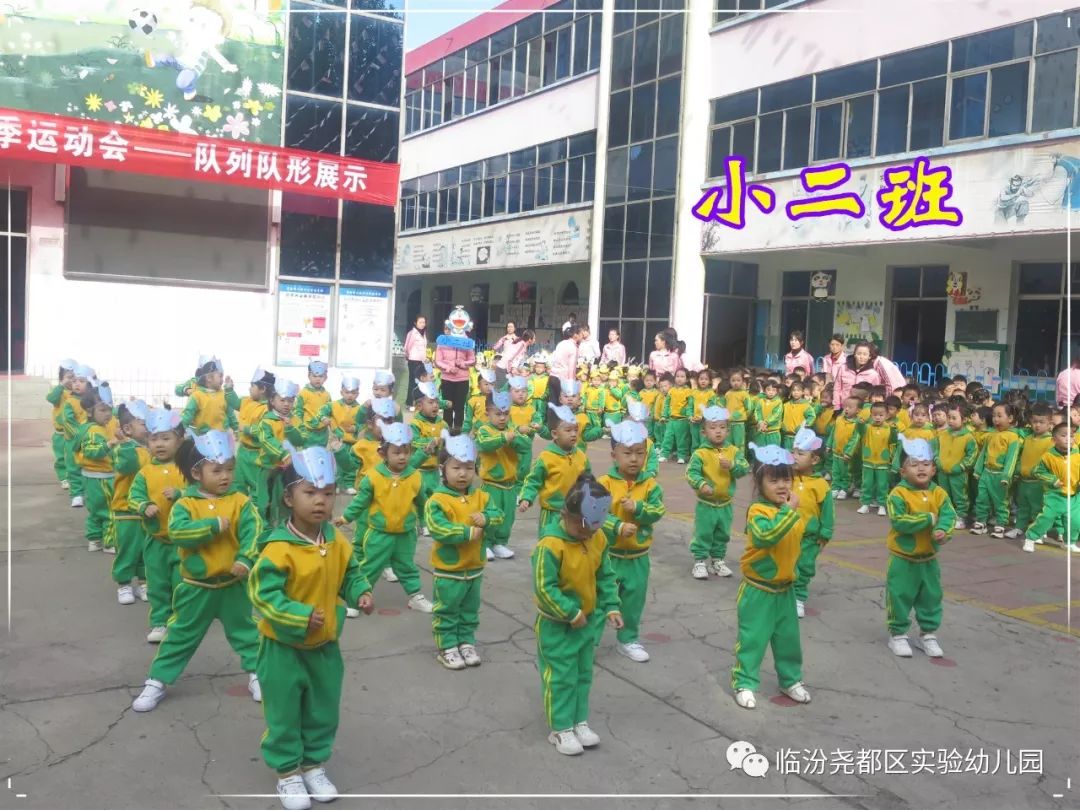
[252, 410]
[340, 417]
[378, 415]
[215, 530]
[701, 397]
[501, 446]
[427, 427]
[737, 402]
[799, 412]
[575, 591]
[815, 504]
[523, 415]
[921, 519]
[72, 418]
[128, 457]
[843, 442]
[555, 470]
[1059, 471]
[304, 573]
[270, 433]
[939, 415]
[154, 489]
[209, 407]
[769, 413]
[58, 395]
[713, 470]
[1037, 439]
[766, 600]
[459, 517]
[593, 397]
[664, 383]
[94, 457]
[538, 385]
[476, 406]
[678, 407]
[637, 503]
[308, 408]
[878, 449]
[639, 412]
[588, 430]
[955, 451]
[994, 469]
[648, 396]
[384, 510]
[614, 398]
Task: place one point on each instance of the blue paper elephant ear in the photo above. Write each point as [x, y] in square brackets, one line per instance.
[518, 383]
[139, 409]
[69, 364]
[629, 434]
[462, 447]
[383, 378]
[487, 375]
[162, 420]
[105, 393]
[350, 384]
[427, 389]
[258, 374]
[638, 411]
[595, 510]
[317, 367]
[918, 449]
[501, 400]
[286, 389]
[772, 455]
[216, 446]
[564, 413]
[383, 407]
[806, 440]
[569, 387]
[397, 433]
[714, 413]
[315, 465]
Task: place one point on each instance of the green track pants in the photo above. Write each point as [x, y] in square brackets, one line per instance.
[129, 537]
[97, 493]
[162, 575]
[910, 584]
[806, 567]
[74, 472]
[992, 501]
[632, 579]
[712, 530]
[1054, 515]
[247, 472]
[677, 440]
[457, 611]
[506, 501]
[1029, 502]
[565, 658]
[59, 456]
[956, 487]
[376, 550]
[875, 485]
[766, 619]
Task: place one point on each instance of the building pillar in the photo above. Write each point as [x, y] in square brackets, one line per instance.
[603, 96]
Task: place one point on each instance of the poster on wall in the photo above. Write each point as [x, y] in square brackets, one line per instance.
[363, 327]
[981, 365]
[303, 330]
[198, 67]
[552, 239]
[859, 320]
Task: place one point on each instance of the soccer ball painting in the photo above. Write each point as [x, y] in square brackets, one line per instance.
[145, 22]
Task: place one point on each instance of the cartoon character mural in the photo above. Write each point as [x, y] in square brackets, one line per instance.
[458, 325]
[958, 291]
[1012, 202]
[207, 26]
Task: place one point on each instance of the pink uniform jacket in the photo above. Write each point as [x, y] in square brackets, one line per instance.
[614, 353]
[801, 359]
[665, 362]
[415, 346]
[448, 358]
[564, 360]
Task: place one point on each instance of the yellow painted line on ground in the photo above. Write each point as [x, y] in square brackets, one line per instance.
[870, 541]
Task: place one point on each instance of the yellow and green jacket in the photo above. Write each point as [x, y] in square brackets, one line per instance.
[366, 448]
[878, 445]
[864, 413]
[981, 435]
[270, 434]
[572, 577]
[649, 396]
[594, 397]
[475, 413]
[293, 577]
[903, 419]
[58, 395]
[72, 417]
[771, 412]
[185, 388]
[127, 459]
[343, 419]
[774, 540]
[649, 508]
[308, 413]
[815, 505]
[425, 431]
[148, 489]
[553, 473]
[615, 399]
[94, 454]
[209, 410]
[1034, 448]
[589, 429]
[798, 413]
[824, 420]
[679, 403]
[911, 520]
[206, 553]
[954, 450]
[448, 514]
[659, 407]
[249, 414]
[844, 436]
[1059, 473]
[1000, 454]
[522, 415]
[500, 451]
[738, 405]
[386, 502]
[704, 468]
[538, 391]
[702, 398]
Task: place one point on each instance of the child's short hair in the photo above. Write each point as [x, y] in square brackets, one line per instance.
[878, 391]
[754, 387]
[985, 412]
[1041, 409]
[962, 407]
[774, 472]
[959, 378]
[124, 416]
[649, 373]
[637, 385]
[187, 457]
[875, 406]
[920, 407]
[667, 376]
[893, 401]
[852, 397]
[88, 400]
[585, 484]
[1060, 426]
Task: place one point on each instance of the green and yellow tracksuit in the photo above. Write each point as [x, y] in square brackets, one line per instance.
[798, 413]
[954, 456]
[128, 535]
[425, 431]
[913, 579]
[344, 427]
[1060, 476]
[822, 425]
[270, 433]
[614, 404]
[300, 670]
[553, 473]
[593, 400]
[522, 416]
[678, 408]
[384, 511]
[738, 408]
[457, 561]
[878, 448]
[210, 410]
[208, 589]
[475, 413]
[500, 451]
[159, 555]
[94, 458]
[910, 433]
[713, 513]
[769, 410]
[72, 418]
[701, 398]
[250, 412]
[816, 508]
[652, 460]
[995, 468]
[843, 442]
[56, 397]
[588, 430]
[766, 601]
[366, 449]
[1029, 489]
[648, 397]
[629, 556]
[307, 411]
[570, 578]
[538, 394]
[659, 421]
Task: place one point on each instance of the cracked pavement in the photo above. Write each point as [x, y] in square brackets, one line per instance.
[75, 659]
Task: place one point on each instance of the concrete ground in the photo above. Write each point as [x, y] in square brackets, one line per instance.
[74, 659]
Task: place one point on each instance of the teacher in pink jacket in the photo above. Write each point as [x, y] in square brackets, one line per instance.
[454, 364]
[860, 366]
[416, 346]
[798, 357]
[835, 357]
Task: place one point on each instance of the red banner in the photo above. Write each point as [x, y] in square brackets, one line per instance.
[78, 142]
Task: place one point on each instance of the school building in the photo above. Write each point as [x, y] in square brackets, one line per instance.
[552, 161]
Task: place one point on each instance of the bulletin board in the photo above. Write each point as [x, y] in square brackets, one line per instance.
[981, 363]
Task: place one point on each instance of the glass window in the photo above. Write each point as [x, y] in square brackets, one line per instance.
[1036, 338]
[639, 183]
[309, 240]
[454, 63]
[732, 108]
[927, 114]
[1057, 32]
[562, 58]
[616, 176]
[532, 78]
[551, 151]
[717, 277]
[645, 50]
[846, 81]
[658, 295]
[528, 190]
[502, 40]
[622, 61]
[910, 66]
[770, 136]
[668, 105]
[1055, 91]
[860, 125]
[782, 95]
[498, 164]
[448, 205]
[367, 242]
[371, 134]
[316, 50]
[521, 58]
[990, 47]
[558, 14]
[550, 46]
[665, 163]
[594, 44]
[637, 230]
[477, 52]
[906, 282]
[744, 279]
[581, 46]
[614, 219]
[529, 28]
[742, 140]
[313, 124]
[663, 227]
[633, 289]
[1008, 99]
[643, 112]
[829, 125]
[892, 123]
[523, 158]
[513, 194]
[375, 59]
[967, 119]
[1040, 278]
[582, 144]
[934, 281]
[575, 180]
[624, 15]
[797, 137]
[384, 8]
[671, 45]
[558, 184]
[719, 149]
[476, 192]
[796, 283]
[610, 289]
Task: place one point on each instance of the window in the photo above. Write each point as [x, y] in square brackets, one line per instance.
[918, 313]
[730, 293]
[1042, 314]
[801, 312]
[730, 9]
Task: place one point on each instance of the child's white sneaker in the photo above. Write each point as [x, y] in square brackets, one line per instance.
[746, 699]
[1029, 546]
[389, 575]
[351, 613]
[800, 608]
[634, 651]
[469, 655]
[998, 532]
[141, 593]
[864, 509]
[109, 549]
[350, 491]
[797, 692]
[93, 545]
[841, 495]
[586, 736]
[856, 493]
[489, 554]
[662, 458]
[125, 596]
[699, 571]
[64, 484]
[152, 694]
[319, 786]
[978, 528]
[1013, 533]
[900, 647]
[929, 645]
[420, 602]
[960, 523]
[720, 568]
[566, 742]
[254, 688]
[292, 793]
[77, 502]
[451, 658]
[882, 511]
[502, 552]
[156, 634]
[1074, 548]
[682, 460]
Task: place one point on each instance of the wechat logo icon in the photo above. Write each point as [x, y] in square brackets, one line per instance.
[743, 756]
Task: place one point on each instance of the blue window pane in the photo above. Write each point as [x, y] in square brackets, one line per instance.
[796, 137]
[668, 105]
[860, 125]
[371, 134]
[313, 124]
[367, 242]
[665, 165]
[1008, 99]
[640, 177]
[622, 60]
[316, 50]
[927, 114]
[827, 129]
[990, 47]
[309, 236]
[386, 8]
[892, 120]
[645, 50]
[770, 136]
[968, 112]
[614, 222]
[375, 61]
[643, 112]
[619, 118]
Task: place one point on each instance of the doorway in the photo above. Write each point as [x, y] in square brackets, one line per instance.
[919, 306]
[13, 222]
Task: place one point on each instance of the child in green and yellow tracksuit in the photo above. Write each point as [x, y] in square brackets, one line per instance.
[659, 421]
[369, 440]
[815, 504]
[128, 536]
[556, 468]
[538, 386]
[799, 412]
[955, 451]
[308, 409]
[593, 397]
[921, 519]
[523, 417]
[614, 399]
[1059, 471]
[714, 468]
[637, 504]
[211, 402]
[737, 403]
[343, 415]
[94, 457]
[153, 491]
[459, 517]
[1038, 439]
[766, 600]
[384, 511]
[917, 426]
[215, 530]
[57, 397]
[270, 433]
[251, 411]
[678, 408]
[843, 443]
[427, 429]
[768, 414]
[501, 446]
[575, 591]
[994, 469]
[476, 405]
[589, 430]
[639, 412]
[72, 418]
[701, 397]
[648, 396]
[878, 449]
[302, 582]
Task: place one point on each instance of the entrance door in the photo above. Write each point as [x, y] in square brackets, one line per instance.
[727, 331]
[13, 216]
[918, 313]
